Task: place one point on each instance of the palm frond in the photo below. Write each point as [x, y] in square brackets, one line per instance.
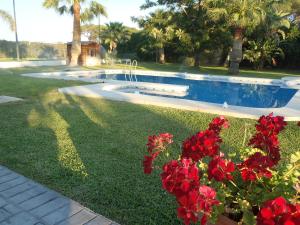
[8, 19]
[95, 9]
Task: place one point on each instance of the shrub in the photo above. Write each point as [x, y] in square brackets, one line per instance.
[188, 61]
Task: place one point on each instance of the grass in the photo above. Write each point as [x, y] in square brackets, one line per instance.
[91, 149]
[212, 70]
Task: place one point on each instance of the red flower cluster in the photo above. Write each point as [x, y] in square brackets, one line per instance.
[181, 178]
[205, 143]
[256, 166]
[266, 139]
[197, 201]
[279, 212]
[218, 123]
[220, 169]
[159, 143]
[202, 144]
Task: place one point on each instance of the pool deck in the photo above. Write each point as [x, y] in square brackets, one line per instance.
[105, 89]
[25, 202]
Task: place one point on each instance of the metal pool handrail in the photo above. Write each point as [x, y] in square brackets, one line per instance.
[127, 64]
[134, 67]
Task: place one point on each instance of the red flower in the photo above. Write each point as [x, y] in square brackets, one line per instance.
[279, 212]
[218, 123]
[270, 124]
[187, 209]
[205, 143]
[180, 177]
[208, 198]
[220, 169]
[148, 161]
[159, 141]
[256, 166]
[198, 201]
[266, 137]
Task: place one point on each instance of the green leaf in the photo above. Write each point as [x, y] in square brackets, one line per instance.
[248, 217]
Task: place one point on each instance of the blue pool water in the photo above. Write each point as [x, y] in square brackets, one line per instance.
[237, 94]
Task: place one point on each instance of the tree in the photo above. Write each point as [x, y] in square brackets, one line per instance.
[113, 34]
[5, 16]
[264, 43]
[92, 31]
[242, 16]
[193, 22]
[74, 7]
[160, 28]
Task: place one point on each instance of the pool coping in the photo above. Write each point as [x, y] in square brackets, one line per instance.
[291, 111]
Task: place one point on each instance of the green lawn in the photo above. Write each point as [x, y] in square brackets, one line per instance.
[212, 70]
[91, 150]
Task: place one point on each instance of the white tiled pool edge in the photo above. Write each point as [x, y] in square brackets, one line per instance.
[291, 111]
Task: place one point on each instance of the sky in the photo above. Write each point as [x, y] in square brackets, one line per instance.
[36, 23]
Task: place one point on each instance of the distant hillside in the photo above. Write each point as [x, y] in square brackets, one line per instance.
[32, 50]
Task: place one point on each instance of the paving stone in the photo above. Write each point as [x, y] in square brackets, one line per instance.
[50, 206]
[18, 189]
[4, 215]
[12, 209]
[24, 202]
[62, 213]
[12, 183]
[2, 202]
[23, 196]
[8, 177]
[4, 172]
[22, 219]
[99, 220]
[38, 200]
[81, 217]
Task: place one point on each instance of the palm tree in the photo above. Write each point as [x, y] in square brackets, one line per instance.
[264, 44]
[8, 19]
[242, 16]
[74, 7]
[159, 26]
[113, 34]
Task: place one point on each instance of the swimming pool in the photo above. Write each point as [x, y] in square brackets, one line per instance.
[219, 92]
[246, 97]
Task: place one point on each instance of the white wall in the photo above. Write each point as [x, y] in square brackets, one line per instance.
[15, 64]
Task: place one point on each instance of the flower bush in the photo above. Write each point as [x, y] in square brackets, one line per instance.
[250, 190]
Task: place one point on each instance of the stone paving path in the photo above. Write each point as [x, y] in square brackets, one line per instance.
[5, 99]
[25, 202]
